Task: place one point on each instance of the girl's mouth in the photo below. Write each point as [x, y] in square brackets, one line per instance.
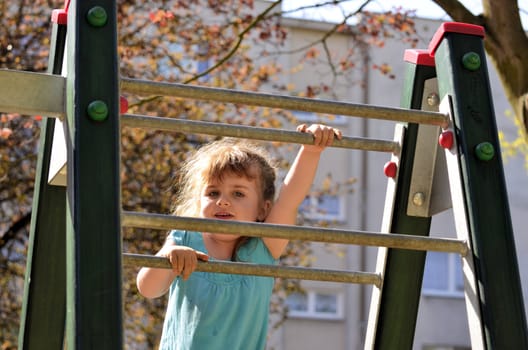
[223, 216]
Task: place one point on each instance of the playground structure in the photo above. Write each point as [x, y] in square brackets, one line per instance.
[78, 225]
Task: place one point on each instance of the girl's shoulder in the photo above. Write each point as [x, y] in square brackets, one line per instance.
[187, 238]
[254, 250]
[177, 236]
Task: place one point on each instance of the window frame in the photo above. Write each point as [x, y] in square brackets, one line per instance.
[311, 307]
[452, 267]
[310, 117]
[313, 211]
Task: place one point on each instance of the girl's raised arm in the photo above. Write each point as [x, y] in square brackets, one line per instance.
[298, 181]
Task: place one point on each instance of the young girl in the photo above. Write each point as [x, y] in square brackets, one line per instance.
[229, 180]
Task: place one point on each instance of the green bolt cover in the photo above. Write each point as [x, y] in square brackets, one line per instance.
[485, 151]
[97, 16]
[471, 61]
[98, 110]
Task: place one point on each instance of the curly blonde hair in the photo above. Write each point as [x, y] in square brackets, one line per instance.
[213, 161]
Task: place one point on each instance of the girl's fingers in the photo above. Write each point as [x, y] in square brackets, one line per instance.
[324, 138]
[330, 137]
[338, 134]
[189, 265]
[302, 127]
[185, 262]
[202, 256]
[323, 135]
[317, 135]
[178, 264]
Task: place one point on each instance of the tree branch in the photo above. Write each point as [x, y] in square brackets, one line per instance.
[458, 12]
[13, 230]
[234, 49]
[328, 34]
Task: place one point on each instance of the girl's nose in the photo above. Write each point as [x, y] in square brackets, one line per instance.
[222, 201]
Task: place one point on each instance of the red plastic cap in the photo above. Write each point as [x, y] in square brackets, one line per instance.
[453, 27]
[61, 16]
[390, 169]
[419, 57]
[445, 140]
[123, 104]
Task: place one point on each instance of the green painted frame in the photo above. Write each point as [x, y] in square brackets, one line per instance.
[394, 307]
[44, 304]
[484, 210]
[94, 314]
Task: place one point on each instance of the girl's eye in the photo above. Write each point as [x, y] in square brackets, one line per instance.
[212, 194]
[239, 194]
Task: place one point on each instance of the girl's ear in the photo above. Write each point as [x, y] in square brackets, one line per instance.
[264, 210]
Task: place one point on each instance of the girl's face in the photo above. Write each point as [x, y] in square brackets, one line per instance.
[234, 198]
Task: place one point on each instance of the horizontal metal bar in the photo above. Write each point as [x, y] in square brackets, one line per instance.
[315, 234]
[251, 132]
[240, 268]
[32, 93]
[147, 87]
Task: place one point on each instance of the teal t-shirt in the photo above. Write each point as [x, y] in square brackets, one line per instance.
[214, 311]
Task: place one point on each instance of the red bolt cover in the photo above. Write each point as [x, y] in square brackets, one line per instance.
[446, 139]
[123, 104]
[390, 169]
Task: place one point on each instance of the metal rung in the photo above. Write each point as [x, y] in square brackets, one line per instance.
[256, 133]
[401, 241]
[32, 93]
[261, 270]
[146, 87]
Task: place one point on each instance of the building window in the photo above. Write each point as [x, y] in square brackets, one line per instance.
[443, 275]
[324, 207]
[310, 117]
[324, 305]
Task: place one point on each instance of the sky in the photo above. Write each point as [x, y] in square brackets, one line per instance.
[424, 8]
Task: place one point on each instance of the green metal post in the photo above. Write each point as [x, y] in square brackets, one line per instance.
[394, 306]
[44, 306]
[484, 210]
[94, 285]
